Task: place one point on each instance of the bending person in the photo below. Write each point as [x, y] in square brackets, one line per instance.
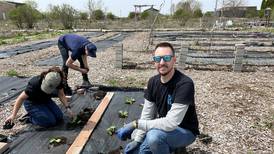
[80, 48]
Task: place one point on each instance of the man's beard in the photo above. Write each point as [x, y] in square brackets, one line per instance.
[164, 74]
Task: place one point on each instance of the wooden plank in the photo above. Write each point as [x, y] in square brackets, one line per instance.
[3, 147]
[85, 133]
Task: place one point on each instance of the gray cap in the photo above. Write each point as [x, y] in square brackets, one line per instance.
[51, 81]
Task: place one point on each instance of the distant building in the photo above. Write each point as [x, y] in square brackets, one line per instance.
[239, 12]
[6, 6]
[152, 11]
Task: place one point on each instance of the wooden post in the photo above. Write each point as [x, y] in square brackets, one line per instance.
[183, 56]
[81, 140]
[119, 55]
[3, 147]
[239, 57]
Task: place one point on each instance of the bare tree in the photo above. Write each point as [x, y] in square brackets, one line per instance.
[233, 3]
[234, 6]
[188, 5]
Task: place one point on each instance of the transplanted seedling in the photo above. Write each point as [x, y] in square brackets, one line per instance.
[55, 141]
[111, 130]
[123, 114]
[130, 100]
[81, 118]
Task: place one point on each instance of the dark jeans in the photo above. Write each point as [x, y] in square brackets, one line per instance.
[65, 55]
[158, 141]
[46, 114]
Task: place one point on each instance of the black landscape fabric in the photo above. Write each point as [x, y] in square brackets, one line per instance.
[11, 87]
[36, 46]
[33, 140]
[101, 141]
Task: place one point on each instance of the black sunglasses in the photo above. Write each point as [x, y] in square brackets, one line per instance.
[166, 58]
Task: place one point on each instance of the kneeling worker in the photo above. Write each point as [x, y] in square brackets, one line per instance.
[41, 109]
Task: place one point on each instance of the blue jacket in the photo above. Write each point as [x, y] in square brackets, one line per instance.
[74, 43]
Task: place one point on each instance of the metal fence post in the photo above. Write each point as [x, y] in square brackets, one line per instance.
[119, 55]
[183, 56]
[239, 57]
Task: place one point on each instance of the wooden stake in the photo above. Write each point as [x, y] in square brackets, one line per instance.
[80, 141]
[3, 146]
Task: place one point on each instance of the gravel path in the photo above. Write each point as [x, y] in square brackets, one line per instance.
[235, 109]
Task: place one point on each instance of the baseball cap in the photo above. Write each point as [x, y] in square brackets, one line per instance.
[91, 50]
[51, 81]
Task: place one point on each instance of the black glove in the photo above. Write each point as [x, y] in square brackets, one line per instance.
[131, 147]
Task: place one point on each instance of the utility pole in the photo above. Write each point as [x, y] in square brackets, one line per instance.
[171, 9]
[216, 3]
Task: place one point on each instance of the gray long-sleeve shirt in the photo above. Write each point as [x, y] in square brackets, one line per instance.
[148, 119]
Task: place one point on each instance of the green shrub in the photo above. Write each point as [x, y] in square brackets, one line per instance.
[12, 72]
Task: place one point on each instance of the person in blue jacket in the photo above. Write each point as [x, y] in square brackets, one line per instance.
[80, 47]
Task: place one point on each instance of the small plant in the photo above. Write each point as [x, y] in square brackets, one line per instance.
[130, 100]
[12, 72]
[113, 82]
[2, 42]
[55, 141]
[81, 118]
[123, 114]
[111, 130]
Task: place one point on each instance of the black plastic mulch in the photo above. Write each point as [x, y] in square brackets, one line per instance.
[101, 45]
[100, 141]
[11, 87]
[36, 46]
[33, 140]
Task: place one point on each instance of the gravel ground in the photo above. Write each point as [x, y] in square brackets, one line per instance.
[235, 109]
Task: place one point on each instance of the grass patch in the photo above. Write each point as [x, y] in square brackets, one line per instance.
[12, 72]
[113, 82]
[27, 36]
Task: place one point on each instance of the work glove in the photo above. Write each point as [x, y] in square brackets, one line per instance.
[125, 132]
[131, 147]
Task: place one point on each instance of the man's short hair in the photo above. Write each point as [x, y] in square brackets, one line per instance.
[166, 44]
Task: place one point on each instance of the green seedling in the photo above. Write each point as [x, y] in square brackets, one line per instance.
[111, 130]
[81, 118]
[130, 100]
[55, 141]
[123, 114]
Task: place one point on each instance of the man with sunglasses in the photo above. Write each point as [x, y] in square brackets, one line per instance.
[168, 120]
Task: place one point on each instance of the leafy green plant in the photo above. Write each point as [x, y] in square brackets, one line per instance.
[123, 114]
[55, 141]
[110, 16]
[129, 100]
[2, 41]
[12, 72]
[98, 14]
[25, 14]
[111, 130]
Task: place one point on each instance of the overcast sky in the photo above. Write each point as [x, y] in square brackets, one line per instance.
[123, 7]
